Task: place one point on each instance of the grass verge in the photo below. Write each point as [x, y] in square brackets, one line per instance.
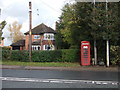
[41, 64]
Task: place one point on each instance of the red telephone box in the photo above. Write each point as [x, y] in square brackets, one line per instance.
[85, 53]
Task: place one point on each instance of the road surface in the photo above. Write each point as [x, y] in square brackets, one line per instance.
[13, 78]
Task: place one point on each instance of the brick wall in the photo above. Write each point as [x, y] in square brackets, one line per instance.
[46, 42]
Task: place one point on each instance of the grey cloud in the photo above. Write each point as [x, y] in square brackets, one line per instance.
[16, 10]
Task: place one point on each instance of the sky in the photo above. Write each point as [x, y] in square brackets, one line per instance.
[43, 11]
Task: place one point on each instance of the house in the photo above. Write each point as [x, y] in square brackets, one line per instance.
[19, 45]
[2, 42]
[42, 39]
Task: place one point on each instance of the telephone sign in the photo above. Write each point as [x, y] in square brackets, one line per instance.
[85, 53]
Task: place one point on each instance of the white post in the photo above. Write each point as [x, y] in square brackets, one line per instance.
[94, 2]
[95, 53]
[107, 41]
[95, 48]
[107, 53]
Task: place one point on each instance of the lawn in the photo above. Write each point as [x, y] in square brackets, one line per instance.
[41, 64]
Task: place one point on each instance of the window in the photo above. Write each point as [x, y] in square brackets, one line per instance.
[48, 47]
[36, 36]
[35, 47]
[48, 36]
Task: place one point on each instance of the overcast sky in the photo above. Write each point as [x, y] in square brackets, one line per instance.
[44, 11]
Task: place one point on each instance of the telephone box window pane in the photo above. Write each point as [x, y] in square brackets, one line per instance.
[85, 47]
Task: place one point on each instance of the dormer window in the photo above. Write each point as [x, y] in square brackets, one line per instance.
[36, 36]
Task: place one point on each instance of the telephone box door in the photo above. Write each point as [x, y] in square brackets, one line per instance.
[85, 53]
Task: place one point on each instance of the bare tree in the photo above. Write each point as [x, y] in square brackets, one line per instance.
[15, 33]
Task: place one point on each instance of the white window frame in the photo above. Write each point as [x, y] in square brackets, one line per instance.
[35, 47]
[46, 46]
[49, 36]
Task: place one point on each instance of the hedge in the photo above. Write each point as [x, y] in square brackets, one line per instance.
[68, 55]
[46, 56]
[64, 55]
[6, 54]
[20, 56]
[6, 48]
[15, 55]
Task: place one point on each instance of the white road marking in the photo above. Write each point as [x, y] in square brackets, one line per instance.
[69, 82]
[57, 80]
[93, 82]
[45, 81]
[98, 83]
[104, 83]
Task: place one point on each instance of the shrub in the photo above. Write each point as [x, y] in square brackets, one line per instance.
[68, 55]
[15, 55]
[6, 48]
[46, 56]
[6, 55]
[115, 55]
[19, 55]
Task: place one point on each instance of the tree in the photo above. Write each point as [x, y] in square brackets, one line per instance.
[60, 43]
[2, 25]
[111, 31]
[81, 21]
[15, 33]
[67, 22]
[63, 37]
[73, 21]
[96, 25]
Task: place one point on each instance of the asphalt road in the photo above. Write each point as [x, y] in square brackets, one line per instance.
[12, 78]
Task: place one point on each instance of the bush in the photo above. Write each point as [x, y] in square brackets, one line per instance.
[68, 55]
[46, 56]
[6, 54]
[15, 55]
[115, 55]
[64, 55]
[6, 48]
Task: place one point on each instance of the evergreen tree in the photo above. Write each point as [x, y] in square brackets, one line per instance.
[82, 22]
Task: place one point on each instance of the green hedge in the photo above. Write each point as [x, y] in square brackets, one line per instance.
[70, 55]
[46, 56]
[15, 55]
[6, 55]
[6, 48]
[64, 55]
[20, 56]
